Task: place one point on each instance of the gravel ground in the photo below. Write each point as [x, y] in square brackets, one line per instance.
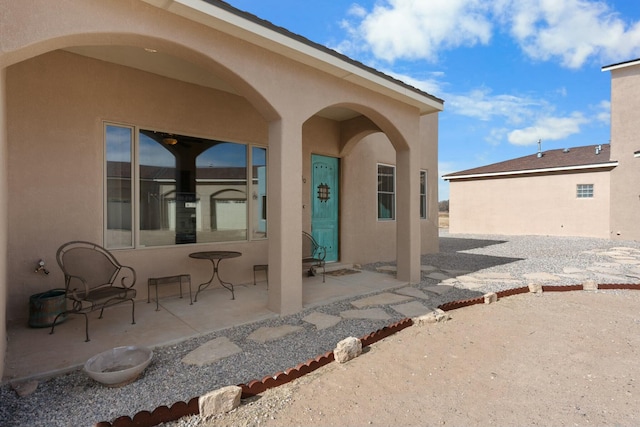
[75, 400]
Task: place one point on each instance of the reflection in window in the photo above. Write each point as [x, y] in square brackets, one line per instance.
[192, 190]
[423, 194]
[119, 213]
[259, 192]
[221, 177]
[386, 192]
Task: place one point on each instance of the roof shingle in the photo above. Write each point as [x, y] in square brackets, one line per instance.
[552, 159]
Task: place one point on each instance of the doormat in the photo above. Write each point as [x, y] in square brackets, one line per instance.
[342, 272]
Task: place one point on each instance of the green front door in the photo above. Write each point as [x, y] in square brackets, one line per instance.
[324, 203]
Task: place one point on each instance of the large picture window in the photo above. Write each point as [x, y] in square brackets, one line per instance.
[190, 189]
[386, 192]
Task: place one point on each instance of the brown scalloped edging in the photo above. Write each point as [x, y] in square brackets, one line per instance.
[514, 291]
[562, 288]
[163, 414]
[452, 305]
[627, 286]
[376, 336]
[258, 386]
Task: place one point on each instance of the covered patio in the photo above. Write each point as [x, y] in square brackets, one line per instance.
[159, 129]
[33, 353]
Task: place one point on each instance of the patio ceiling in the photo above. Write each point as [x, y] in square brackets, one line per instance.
[170, 66]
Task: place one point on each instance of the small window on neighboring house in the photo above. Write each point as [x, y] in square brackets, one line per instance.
[386, 192]
[584, 191]
[423, 194]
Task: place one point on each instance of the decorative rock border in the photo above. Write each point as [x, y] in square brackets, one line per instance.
[178, 410]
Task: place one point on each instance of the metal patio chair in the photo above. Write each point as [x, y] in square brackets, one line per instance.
[312, 252]
[94, 280]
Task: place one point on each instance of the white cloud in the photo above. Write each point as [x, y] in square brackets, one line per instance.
[496, 136]
[482, 104]
[357, 11]
[548, 128]
[603, 112]
[418, 29]
[569, 31]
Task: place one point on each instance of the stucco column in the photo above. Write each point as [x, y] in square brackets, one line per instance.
[284, 216]
[3, 215]
[408, 212]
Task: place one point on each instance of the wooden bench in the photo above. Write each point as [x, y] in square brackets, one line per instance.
[157, 281]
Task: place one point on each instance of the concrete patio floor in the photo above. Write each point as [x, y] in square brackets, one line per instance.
[33, 353]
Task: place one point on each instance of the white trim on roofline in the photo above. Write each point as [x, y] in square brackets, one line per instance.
[530, 171]
[621, 65]
[245, 29]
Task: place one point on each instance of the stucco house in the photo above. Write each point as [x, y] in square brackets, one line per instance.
[588, 191]
[158, 128]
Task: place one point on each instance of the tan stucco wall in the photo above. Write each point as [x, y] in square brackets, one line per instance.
[369, 239]
[535, 205]
[625, 140]
[429, 162]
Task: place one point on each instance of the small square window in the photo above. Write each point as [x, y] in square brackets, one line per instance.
[584, 191]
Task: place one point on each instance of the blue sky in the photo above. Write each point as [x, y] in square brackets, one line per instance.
[510, 71]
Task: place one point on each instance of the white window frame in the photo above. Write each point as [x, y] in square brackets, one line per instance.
[378, 192]
[584, 191]
[424, 200]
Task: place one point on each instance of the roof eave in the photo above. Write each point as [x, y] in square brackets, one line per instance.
[621, 65]
[279, 40]
[530, 171]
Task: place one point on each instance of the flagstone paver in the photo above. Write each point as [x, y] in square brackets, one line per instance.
[456, 272]
[605, 270]
[367, 313]
[468, 278]
[211, 352]
[436, 275]
[471, 285]
[494, 276]
[412, 292]
[265, 334]
[628, 261]
[385, 298]
[412, 309]
[440, 289]
[573, 270]
[322, 320]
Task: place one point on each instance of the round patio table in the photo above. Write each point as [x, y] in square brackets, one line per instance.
[215, 257]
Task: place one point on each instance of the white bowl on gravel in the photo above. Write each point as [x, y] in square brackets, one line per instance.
[118, 366]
